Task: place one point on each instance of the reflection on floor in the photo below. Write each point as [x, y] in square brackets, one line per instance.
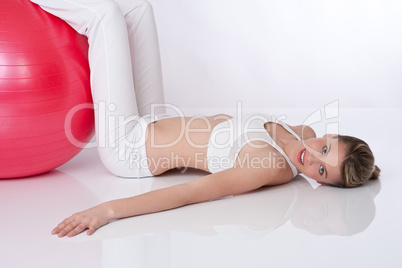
[299, 224]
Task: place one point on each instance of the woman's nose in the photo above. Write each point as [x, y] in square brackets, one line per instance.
[313, 157]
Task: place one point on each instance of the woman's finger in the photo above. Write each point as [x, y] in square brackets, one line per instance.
[63, 224]
[78, 229]
[91, 230]
[69, 227]
[59, 227]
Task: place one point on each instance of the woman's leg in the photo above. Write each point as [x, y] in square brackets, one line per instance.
[111, 75]
[145, 54]
[109, 52]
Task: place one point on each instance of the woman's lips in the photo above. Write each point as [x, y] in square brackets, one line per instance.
[300, 156]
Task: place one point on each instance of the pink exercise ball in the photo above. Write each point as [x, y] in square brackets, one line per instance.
[44, 77]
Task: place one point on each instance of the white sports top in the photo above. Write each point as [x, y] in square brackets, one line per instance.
[229, 137]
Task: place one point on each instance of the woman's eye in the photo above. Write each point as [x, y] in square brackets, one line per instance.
[324, 150]
[321, 170]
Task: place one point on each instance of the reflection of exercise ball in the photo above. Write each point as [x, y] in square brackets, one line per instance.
[44, 73]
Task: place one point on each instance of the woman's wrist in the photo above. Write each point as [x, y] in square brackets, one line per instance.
[110, 212]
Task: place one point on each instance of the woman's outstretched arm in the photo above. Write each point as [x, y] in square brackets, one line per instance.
[229, 182]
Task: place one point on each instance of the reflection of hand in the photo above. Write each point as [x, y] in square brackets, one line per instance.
[90, 219]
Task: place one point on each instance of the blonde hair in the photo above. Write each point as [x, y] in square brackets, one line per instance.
[358, 166]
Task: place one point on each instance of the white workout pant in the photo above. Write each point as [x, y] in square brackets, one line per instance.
[126, 77]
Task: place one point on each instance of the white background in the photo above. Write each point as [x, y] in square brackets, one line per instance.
[285, 55]
[281, 54]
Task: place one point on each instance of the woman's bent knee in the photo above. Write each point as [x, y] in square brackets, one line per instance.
[128, 6]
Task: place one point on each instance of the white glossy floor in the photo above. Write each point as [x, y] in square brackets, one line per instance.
[294, 225]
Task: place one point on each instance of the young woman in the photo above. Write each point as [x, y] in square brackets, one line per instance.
[242, 154]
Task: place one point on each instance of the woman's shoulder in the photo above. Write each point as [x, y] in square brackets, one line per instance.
[259, 159]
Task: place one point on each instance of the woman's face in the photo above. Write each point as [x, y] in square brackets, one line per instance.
[320, 159]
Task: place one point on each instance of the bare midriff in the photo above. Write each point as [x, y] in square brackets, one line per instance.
[180, 142]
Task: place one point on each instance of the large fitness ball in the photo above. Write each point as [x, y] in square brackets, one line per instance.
[44, 82]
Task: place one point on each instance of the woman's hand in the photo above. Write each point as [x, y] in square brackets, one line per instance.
[90, 219]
